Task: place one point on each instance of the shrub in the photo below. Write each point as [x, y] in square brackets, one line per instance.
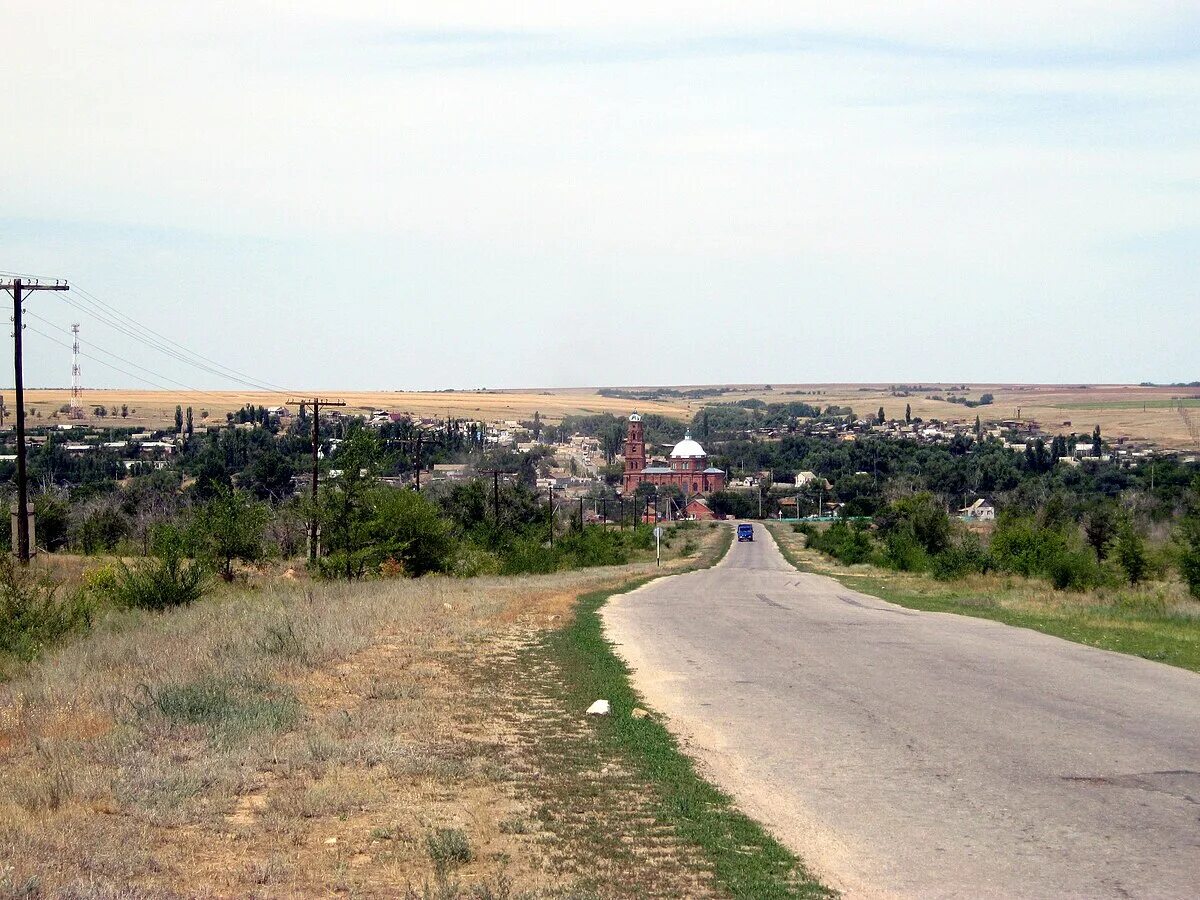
[903, 551]
[32, 615]
[230, 527]
[1021, 546]
[157, 583]
[1073, 569]
[1131, 553]
[922, 517]
[1189, 554]
[959, 560]
[448, 845]
[528, 557]
[848, 544]
[472, 560]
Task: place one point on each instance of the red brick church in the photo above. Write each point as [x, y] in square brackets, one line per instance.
[688, 469]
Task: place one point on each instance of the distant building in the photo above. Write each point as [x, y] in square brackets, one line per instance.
[688, 468]
[980, 511]
[698, 508]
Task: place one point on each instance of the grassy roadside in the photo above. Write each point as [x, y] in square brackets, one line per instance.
[744, 859]
[297, 738]
[1145, 622]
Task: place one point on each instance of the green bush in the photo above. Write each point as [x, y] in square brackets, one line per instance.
[448, 846]
[903, 551]
[959, 560]
[528, 557]
[846, 543]
[157, 583]
[32, 615]
[924, 520]
[1073, 569]
[1022, 546]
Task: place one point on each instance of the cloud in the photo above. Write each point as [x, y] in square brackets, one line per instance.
[928, 164]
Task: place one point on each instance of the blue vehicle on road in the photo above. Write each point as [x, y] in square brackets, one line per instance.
[745, 532]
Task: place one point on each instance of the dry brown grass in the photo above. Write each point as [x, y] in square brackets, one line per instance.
[1050, 405]
[301, 739]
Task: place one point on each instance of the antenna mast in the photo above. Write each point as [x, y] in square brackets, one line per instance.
[76, 387]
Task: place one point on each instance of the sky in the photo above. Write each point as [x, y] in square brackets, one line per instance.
[462, 195]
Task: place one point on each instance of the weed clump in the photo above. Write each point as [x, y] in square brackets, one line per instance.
[32, 614]
[448, 846]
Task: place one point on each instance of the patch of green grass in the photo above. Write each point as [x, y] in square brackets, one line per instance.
[231, 707]
[1138, 631]
[1160, 403]
[746, 861]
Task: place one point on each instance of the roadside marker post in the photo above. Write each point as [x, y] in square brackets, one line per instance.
[658, 545]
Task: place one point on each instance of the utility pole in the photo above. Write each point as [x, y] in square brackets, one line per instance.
[418, 442]
[581, 514]
[18, 287]
[316, 403]
[495, 473]
[551, 516]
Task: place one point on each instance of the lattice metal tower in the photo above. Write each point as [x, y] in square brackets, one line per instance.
[76, 387]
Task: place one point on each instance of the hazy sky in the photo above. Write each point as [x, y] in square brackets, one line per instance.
[391, 195]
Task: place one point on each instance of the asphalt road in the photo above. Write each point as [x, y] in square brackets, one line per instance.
[915, 754]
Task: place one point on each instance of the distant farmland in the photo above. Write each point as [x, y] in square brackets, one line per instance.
[1131, 411]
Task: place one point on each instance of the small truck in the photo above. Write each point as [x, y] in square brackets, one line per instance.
[745, 532]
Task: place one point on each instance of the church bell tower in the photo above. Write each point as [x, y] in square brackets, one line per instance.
[635, 445]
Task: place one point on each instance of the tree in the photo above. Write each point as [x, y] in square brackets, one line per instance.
[1100, 526]
[1131, 552]
[405, 527]
[907, 413]
[100, 412]
[1096, 444]
[179, 420]
[1189, 540]
[230, 527]
[124, 410]
[978, 429]
[269, 475]
[880, 418]
[537, 425]
[189, 422]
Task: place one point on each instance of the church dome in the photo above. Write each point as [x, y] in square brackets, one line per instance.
[688, 449]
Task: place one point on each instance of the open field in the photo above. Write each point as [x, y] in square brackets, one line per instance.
[1155, 620]
[307, 739]
[1143, 413]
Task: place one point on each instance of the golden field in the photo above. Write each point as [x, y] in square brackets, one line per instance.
[1130, 411]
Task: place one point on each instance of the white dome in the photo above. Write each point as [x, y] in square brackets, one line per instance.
[688, 449]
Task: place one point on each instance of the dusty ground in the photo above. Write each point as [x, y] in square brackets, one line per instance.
[1117, 409]
[308, 739]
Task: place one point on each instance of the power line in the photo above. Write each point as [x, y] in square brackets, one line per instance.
[214, 397]
[89, 296]
[161, 347]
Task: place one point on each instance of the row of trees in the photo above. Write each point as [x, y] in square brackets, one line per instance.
[1107, 547]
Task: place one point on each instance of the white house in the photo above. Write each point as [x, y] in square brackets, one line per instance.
[980, 511]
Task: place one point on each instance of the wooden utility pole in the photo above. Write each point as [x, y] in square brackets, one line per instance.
[316, 403]
[495, 473]
[18, 287]
[419, 441]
